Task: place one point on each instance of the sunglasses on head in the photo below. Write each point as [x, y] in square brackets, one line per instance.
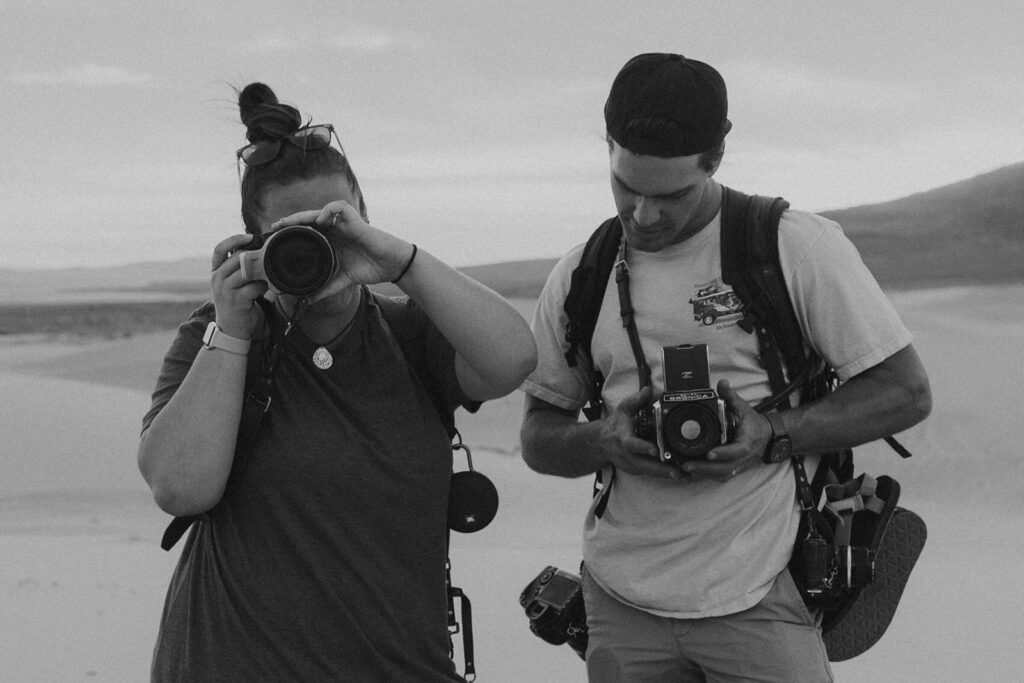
[307, 139]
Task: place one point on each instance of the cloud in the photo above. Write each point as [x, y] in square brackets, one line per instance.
[85, 75]
[819, 87]
[354, 38]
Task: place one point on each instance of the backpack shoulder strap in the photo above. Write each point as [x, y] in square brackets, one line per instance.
[259, 384]
[586, 288]
[582, 305]
[750, 265]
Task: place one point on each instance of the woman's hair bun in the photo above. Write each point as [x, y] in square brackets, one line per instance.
[264, 117]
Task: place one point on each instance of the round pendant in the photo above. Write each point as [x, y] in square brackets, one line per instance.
[322, 358]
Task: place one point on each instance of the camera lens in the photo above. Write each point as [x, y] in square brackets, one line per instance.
[691, 430]
[298, 260]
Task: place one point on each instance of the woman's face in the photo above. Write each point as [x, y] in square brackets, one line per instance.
[304, 195]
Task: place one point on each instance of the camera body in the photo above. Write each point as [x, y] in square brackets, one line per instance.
[828, 573]
[295, 259]
[689, 419]
[554, 605]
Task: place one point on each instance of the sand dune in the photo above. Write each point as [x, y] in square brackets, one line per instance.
[83, 577]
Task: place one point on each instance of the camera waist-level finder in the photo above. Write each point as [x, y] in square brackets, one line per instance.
[689, 419]
[295, 259]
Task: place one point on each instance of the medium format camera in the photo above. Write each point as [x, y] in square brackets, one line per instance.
[554, 605]
[295, 259]
[689, 419]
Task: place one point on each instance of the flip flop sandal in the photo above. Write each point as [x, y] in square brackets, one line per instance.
[895, 537]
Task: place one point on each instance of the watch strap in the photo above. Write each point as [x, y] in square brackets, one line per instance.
[214, 338]
[780, 447]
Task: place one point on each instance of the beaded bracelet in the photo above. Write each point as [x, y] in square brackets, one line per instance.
[408, 265]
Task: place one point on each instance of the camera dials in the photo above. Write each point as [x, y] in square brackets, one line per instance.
[689, 419]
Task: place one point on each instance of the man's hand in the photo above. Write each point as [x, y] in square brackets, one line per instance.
[744, 450]
[621, 447]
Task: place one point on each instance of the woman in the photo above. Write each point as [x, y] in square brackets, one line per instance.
[325, 557]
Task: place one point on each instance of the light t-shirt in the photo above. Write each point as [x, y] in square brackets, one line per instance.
[703, 548]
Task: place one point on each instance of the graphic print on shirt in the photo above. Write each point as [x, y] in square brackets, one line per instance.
[714, 303]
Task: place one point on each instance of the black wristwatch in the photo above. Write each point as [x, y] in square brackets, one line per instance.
[780, 447]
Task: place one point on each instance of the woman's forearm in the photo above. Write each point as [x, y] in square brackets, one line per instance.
[185, 455]
[492, 339]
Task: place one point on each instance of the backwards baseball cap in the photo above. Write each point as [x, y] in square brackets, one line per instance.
[684, 99]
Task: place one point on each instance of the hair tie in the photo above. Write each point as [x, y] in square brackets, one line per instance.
[407, 266]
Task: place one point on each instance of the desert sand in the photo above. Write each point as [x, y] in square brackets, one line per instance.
[82, 578]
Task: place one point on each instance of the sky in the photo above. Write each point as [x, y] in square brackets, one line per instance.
[475, 126]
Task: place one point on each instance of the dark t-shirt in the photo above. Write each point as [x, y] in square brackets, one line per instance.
[326, 559]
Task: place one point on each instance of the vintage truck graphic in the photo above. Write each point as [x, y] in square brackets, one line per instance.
[713, 303]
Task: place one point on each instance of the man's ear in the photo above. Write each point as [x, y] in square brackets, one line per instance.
[715, 157]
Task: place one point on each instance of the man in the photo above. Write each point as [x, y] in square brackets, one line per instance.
[685, 568]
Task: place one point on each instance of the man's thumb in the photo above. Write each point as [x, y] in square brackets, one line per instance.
[631, 403]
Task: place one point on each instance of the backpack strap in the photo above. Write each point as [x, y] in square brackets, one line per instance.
[257, 402]
[415, 355]
[750, 265]
[583, 305]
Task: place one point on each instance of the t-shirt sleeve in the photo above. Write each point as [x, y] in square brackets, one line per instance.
[178, 360]
[844, 314]
[553, 381]
[428, 348]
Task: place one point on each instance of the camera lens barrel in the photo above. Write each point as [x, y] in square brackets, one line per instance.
[298, 260]
[692, 429]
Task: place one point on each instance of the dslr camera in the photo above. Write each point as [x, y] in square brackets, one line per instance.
[689, 419]
[827, 574]
[295, 259]
[554, 605]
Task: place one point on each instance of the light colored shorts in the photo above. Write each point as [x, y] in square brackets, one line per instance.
[775, 640]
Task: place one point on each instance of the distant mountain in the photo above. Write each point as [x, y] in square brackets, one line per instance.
[969, 232]
[966, 232]
[181, 279]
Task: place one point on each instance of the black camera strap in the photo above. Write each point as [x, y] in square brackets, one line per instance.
[643, 370]
[254, 409]
[453, 623]
[628, 316]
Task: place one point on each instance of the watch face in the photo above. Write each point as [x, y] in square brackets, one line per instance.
[782, 448]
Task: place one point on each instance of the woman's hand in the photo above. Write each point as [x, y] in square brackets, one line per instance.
[365, 254]
[494, 347]
[234, 296]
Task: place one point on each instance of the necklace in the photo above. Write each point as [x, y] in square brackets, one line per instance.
[322, 358]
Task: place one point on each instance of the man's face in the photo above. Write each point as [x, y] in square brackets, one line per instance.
[660, 201]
